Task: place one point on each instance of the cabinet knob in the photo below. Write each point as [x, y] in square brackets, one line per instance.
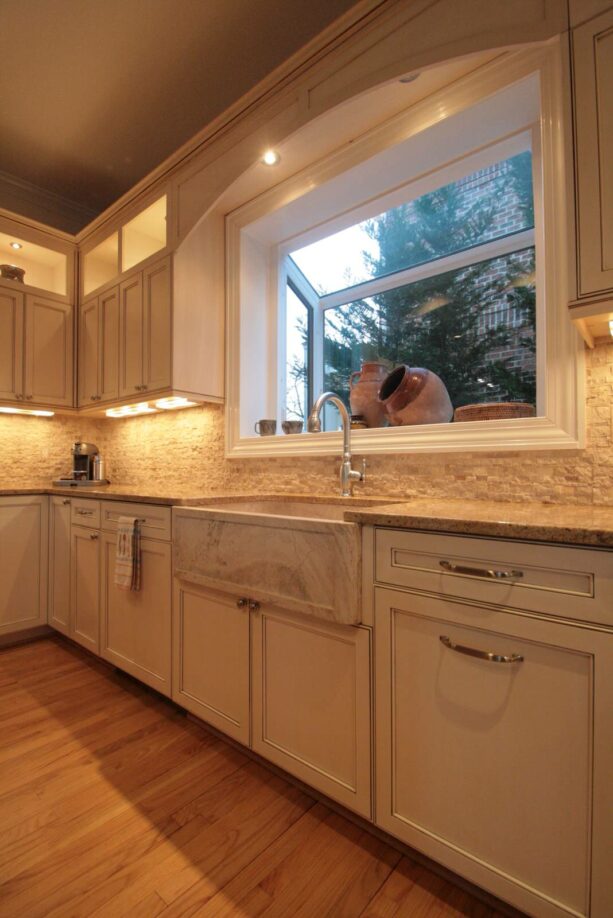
[254, 605]
[29, 396]
[66, 501]
[94, 535]
[241, 603]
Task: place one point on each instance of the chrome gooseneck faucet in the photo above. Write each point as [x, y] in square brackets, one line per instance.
[348, 475]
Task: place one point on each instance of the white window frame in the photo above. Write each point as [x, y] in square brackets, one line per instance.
[560, 422]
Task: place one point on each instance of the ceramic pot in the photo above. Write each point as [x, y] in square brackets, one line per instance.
[12, 272]
[413, 395]
[364, 394]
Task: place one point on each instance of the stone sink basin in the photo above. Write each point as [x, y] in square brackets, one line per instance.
[294, 554]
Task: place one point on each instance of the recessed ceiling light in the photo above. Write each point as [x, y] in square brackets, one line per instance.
[16, 245]
[271, 158]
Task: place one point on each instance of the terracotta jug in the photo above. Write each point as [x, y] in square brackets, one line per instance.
[413, 395]
[364, 394]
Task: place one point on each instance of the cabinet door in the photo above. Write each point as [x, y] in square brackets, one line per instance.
[58, 613]
[48, 352]
[131, 336]
[11, 344]
[486, 765]
[210, 675]
[593, 90]
[157, 325]
[108, 355]
[135, 628]
[89, 329]
[311, 703]
[85, 587]
[23, 563]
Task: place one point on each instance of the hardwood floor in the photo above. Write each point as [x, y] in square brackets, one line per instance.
[112, 803]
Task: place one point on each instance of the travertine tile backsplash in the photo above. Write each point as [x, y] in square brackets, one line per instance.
[186, 449]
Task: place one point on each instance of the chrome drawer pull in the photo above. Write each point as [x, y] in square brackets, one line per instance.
[481, 654]
[480, 571]
[85, 512]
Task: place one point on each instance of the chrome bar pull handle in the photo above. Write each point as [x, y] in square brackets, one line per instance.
[481, 654]
[480, 571]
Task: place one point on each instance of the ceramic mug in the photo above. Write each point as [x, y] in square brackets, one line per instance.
[292, 427]
[265, 427]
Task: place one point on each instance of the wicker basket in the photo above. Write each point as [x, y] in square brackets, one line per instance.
[494, 411]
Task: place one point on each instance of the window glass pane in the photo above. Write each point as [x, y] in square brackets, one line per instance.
[297, 357]
[473, 327]
[488, 204]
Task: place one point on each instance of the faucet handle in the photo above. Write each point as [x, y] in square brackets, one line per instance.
[363, 471]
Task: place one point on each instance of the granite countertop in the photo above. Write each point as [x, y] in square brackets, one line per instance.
[569, 524]
[566, 524]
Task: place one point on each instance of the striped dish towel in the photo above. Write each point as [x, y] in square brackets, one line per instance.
[127, 554]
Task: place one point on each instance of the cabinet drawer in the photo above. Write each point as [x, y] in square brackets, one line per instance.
[571, 583]
[154, 521]
[84, 512]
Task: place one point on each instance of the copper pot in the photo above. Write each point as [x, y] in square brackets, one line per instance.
[414, 395]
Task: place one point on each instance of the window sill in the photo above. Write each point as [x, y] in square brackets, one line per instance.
[468, 436]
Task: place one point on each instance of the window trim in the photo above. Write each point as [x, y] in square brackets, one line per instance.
[561, 424]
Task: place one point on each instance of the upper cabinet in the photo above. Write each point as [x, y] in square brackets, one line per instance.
[132, 244]
[28, 264]
[592, 44]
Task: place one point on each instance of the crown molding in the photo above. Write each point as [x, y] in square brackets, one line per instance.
[35, 206]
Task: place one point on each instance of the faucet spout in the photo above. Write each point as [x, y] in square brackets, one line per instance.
[348, 475]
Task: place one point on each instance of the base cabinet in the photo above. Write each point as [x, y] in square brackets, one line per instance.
[23, 550]
[85, 587]
[58, 609]
[311, 703]
[497, 769]
[135, 627]
[211, 657]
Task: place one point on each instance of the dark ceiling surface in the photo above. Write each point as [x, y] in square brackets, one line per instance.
[96, 93]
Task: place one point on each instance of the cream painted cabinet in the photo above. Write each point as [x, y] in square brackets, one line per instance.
[98, 359]
[89, 335]
[135, 632]
[36, 356]
[23, 563]
[58, 610]
[593, 98]
[48, 352]
[11, 343]
[85, 587]
[494, 748]
[311, 702]
[157, 326]
[211, 657]
[145, 341]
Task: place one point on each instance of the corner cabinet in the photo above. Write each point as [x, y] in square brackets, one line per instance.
[36, 350]
[23, 550]
[98, 361]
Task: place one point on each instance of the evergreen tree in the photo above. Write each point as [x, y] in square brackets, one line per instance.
[447, 323]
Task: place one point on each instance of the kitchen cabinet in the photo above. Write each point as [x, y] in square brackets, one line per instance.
[495, 766]
[48, 352]
[23, 550]
[11, 344]
[98, 352]
[136, 629]
[58, 610]
[593, 98]
[85, 587]
[211, 657]
[145, 339]
[311, 702]
[36, 349]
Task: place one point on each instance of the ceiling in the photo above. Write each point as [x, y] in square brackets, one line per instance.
[98, 92]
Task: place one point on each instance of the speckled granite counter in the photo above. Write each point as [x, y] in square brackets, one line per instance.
[572, 525]
[112, 492]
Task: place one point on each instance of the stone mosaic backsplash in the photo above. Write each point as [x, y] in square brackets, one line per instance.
[186, 449]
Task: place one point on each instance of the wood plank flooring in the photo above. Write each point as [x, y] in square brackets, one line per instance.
[112, 803]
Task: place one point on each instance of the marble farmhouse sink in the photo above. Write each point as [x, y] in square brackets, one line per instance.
[297, 555]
